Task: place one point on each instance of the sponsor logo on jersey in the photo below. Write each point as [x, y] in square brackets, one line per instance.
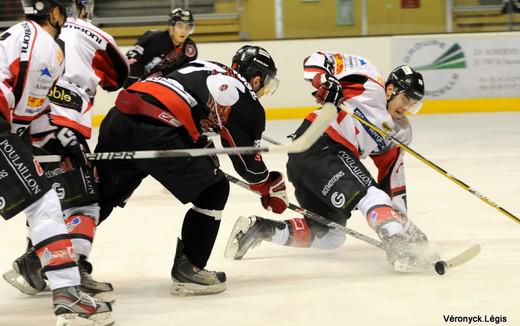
[353, 165]
[86, 31]
[66, 98]
[23, 173]
[89, 185]
[26, 38]
[34, 104]
[3, 174]
[45, 72]
[443, 64]
[335, 178]
[4, 36]
[59, 190]
[64, 167]
[337, 199]
[2, 203]
[380, 140]
[340, 64]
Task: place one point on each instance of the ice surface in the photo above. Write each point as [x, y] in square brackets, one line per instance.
[353, 285]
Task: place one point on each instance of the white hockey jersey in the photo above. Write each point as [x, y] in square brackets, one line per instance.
[364, 92]
[92, 58]
[30, 62]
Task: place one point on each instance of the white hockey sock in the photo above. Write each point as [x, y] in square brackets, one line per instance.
[280, 236]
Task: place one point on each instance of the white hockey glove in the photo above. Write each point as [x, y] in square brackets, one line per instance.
[69, 141]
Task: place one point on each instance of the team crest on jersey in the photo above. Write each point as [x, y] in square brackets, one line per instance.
[190, 50]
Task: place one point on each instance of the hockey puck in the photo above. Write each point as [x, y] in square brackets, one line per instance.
[440, 267]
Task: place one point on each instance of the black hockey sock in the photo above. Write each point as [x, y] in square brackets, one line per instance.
[199, 232]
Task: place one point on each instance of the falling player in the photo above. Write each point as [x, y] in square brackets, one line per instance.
[329, 178]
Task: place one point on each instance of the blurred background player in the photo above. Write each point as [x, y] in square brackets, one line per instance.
[329, 178]
[172, 112]
[31, 63]
[172, 46]
[92, 58]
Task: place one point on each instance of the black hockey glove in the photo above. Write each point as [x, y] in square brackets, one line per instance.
[72, 146]
[328, 89]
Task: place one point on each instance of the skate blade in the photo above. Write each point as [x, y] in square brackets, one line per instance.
[101, 319]
[15, 279]
[241, 225]
[186, 289]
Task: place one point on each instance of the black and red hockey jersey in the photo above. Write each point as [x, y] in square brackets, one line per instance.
[203, 97]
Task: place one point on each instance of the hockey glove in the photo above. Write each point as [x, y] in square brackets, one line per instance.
[74, 149]
[328, 89]
[273, 192]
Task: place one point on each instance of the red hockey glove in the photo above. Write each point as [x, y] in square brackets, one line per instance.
[273, 191]
[328, 89]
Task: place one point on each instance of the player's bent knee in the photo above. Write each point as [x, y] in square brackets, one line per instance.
[374, 197]
[331, 240]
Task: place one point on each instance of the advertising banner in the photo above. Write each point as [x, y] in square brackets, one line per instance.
[457, 68]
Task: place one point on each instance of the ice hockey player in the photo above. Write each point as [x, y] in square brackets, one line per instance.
[171, 47]
[31, 63]
[92, 58]
[172, 112]
[329, 178]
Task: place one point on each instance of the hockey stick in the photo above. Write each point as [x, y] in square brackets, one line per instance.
[440, 266]
[318, 218]
[434, 166]
[317, 127]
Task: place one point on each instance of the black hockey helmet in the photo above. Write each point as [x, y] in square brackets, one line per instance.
[406, 80]
[251, 61]
[180, 15]
[41, 8]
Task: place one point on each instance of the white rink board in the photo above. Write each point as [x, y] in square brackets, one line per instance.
[352, 285]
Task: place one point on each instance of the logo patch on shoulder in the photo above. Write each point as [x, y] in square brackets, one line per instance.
[190, 50]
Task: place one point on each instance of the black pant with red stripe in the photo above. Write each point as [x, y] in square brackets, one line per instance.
[328, 179]
[189, 179]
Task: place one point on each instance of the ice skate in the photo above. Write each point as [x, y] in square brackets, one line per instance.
[247, 233]
[100, 290]
[73, 307]
[408, 248]
[191, 280]
[26, 274]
